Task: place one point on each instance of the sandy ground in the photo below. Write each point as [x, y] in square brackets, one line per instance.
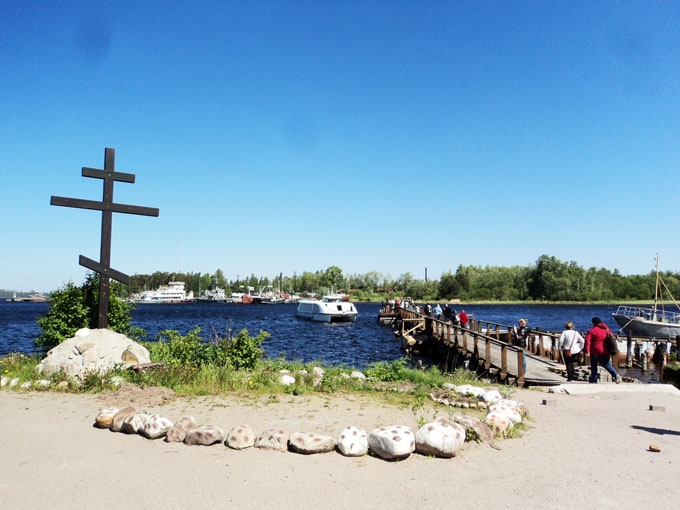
[585, 450]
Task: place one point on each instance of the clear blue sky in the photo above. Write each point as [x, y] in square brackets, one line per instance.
[384, 136]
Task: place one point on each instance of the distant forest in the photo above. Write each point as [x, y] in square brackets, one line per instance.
[549, 279]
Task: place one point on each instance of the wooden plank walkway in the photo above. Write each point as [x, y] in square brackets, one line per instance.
[485, 348]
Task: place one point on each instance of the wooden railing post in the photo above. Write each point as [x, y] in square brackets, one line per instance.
[487, 355]
[520, 366]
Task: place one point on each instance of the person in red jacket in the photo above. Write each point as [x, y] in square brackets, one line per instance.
[463, 319]
[598, 354]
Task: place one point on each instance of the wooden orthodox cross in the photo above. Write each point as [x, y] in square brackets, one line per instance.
[107, 207]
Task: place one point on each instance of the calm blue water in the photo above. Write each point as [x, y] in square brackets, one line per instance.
[353, 344]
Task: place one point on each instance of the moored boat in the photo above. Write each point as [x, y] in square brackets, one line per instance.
[216, 295]
[173, 292]
[331, 308]
[651, 321]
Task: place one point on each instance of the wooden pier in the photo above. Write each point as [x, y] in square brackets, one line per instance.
[485, 348]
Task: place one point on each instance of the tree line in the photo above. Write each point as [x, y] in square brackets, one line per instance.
[548, 279]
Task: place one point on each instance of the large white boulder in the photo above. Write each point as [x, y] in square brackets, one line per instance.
[353, 442]
[392, 443]
[441, 438]
[92, 351]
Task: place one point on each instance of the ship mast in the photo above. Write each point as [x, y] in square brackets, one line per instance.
[657, 287]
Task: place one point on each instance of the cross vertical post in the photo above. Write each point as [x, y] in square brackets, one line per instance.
[105, 251]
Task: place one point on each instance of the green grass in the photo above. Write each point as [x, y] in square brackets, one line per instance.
[410, 386]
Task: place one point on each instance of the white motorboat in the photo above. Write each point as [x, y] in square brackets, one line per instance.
[651, 321]
[331, 308]
[173, 292]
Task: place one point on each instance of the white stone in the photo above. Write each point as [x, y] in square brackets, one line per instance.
[26, 385]
[43, 383]
[357, 375]
[467, 389]
[204, 435]
[492, 396]
[14, 382]
[480, 429]
[441, 438]
[287, 380]
[392, 443]
[240, 437]
[309, 443]
[119, 418]
[133, 423]
[105, 417]
[272, 439]
[155, 426]
[500, 424]
[178, 432]
[353, 442]
[4, 381]
[511, 412]
[92, 351]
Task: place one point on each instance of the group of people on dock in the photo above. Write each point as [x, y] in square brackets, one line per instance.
[445, 313]
[571, 344]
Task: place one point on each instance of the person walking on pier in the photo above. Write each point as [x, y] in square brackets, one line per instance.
[463, 318]
[598, 354]
[437, 311]
[447, 313]
[571, 344]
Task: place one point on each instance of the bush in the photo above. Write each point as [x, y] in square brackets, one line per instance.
[73, 308]
[387, 371]
[242, 352]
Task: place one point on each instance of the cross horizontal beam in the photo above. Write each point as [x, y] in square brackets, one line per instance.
[103, 206]
[106, 174]
[102, 269]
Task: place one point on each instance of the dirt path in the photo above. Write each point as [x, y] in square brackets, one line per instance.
[587, 450]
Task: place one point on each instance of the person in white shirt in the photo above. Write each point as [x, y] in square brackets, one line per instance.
[571, 344]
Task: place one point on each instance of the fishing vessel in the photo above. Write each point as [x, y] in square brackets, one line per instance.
[654, 321]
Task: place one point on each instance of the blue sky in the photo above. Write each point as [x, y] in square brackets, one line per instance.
[387, 136]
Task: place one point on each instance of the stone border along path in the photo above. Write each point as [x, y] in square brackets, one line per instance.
[440, 438]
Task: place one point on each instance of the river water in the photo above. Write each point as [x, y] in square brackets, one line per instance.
[349, 344]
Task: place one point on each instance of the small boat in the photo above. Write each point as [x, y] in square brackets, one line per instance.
[216, 295]
[332, 308]
[651, 321]
[34, 298]
[271, 297]
[173, 292]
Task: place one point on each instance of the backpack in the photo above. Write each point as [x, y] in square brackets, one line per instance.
[611, 344]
